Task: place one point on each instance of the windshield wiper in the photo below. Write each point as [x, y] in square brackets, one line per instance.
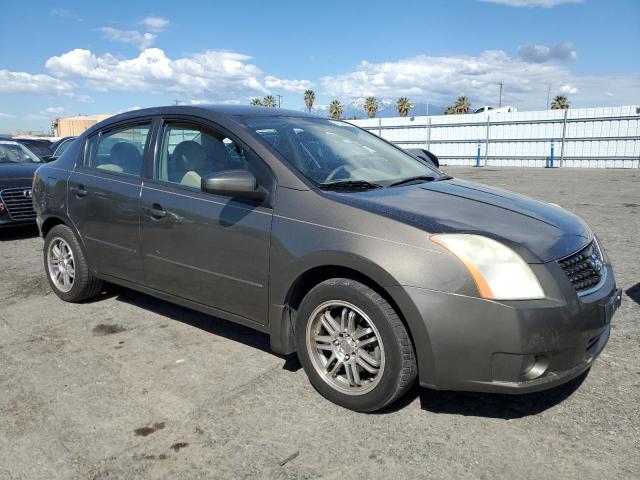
[349, 185]
[419, 178]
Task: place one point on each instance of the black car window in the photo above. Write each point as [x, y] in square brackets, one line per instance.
[62, 147]
[121, 150]
[190, 152]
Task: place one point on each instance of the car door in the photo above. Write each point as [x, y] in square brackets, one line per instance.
[103, 199]
[206, 248]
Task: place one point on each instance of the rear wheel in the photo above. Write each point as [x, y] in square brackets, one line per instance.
[66, 266]
[353, 346]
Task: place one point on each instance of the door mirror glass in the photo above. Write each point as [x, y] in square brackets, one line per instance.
[235, 184]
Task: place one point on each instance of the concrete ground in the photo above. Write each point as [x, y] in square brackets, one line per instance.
[129, 387]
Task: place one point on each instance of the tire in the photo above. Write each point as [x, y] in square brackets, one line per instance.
[340, 358]
[82, 284]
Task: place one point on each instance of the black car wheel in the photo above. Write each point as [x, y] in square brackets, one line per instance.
[66, 266]
[353, 346]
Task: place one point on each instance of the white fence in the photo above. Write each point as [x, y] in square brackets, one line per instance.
[581, 137]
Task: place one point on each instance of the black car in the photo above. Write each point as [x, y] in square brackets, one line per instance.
[425, 155]
[17, 166]
[372, 265]
[59, 147]
[40, 146]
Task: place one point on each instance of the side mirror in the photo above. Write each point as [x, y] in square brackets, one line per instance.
[234, 184]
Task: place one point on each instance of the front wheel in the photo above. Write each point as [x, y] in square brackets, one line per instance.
[353, 346]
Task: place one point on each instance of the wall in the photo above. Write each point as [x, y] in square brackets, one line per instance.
[593, 137]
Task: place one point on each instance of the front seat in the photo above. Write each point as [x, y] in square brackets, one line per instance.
[188, 164]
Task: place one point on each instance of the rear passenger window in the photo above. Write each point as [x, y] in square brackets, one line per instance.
[121, 150]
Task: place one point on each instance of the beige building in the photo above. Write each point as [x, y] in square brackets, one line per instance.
[74, 126]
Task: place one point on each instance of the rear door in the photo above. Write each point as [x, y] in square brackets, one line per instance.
[103, 199]
[206, 248]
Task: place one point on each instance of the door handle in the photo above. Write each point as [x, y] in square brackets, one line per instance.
[156, 211]
[78, 191]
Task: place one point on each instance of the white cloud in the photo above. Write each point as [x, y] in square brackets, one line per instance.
[567, 89]
[141, 40]
[217, 74]
[532, 3]
[54, 111]
[155, 24]
[438, 80]
[23, 82]
[541, 53]
[62, 13]
[287, 85]
[5, 115]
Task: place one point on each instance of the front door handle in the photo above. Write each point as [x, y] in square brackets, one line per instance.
[79, 191]
[156, 211]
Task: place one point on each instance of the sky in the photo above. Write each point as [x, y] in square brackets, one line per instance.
[88, 57]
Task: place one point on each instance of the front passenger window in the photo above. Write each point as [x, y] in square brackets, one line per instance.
[188, 154]
[120, 151]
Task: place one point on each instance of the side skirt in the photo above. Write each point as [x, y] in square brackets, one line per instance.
[188, 303]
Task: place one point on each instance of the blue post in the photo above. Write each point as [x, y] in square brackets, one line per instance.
[550, 162]
[478, 156]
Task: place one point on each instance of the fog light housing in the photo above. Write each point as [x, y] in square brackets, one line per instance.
[514, 367]
[535, 367]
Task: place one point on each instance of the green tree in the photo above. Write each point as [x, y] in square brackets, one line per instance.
[309, 98]
[403, 105]
[256, 102]
[462, 104]
[335, 110]
[371, 106]
[560, 102]
[269, 101]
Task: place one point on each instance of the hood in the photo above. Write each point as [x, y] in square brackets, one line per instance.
[17, 174]
[539, 231]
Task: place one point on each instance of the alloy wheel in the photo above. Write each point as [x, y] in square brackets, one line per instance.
[345, 347]
[61, 264]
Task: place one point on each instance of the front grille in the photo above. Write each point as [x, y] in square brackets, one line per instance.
[18, 203]
[585, 268]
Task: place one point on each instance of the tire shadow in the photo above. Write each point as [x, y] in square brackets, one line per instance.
[634, 293]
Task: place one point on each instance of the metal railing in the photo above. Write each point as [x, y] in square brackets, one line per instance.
[568, 146]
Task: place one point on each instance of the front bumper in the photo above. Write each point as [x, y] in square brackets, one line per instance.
[511, 347]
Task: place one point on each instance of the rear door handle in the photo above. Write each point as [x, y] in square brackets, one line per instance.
[78, 191]
[156, 211]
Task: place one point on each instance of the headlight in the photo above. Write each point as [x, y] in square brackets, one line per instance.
[499, 272]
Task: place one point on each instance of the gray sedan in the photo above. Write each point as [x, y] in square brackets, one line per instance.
[372, 265]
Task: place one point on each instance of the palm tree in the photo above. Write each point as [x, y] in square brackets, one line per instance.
[269, 101]
[335, 110]
[462, 104]
[403, 105]
[560, 102]
[371, 106]
[309, 98]
[256, 102]
[450, 110]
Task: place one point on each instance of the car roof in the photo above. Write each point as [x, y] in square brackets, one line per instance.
[223, 110]
[8, 142]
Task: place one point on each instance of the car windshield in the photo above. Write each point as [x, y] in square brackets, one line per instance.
[16, 153]
[328, 151]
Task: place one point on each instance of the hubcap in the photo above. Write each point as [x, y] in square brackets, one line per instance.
[345, 347]
[61, 264]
